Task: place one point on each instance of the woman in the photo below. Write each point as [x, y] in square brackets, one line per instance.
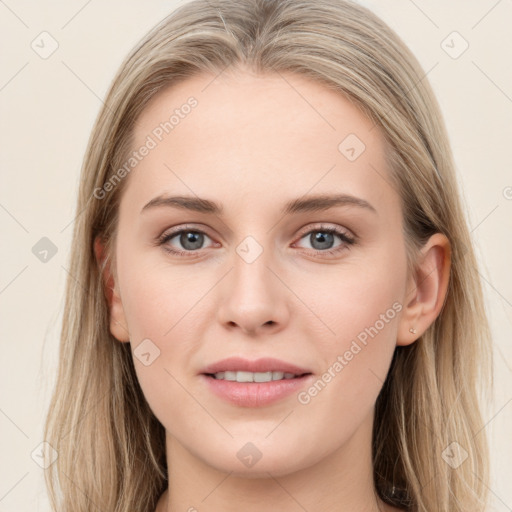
[277, 304]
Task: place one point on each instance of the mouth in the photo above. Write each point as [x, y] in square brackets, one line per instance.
[244, 376]
[246, 383]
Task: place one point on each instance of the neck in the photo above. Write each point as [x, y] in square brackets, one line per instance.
[340, 482]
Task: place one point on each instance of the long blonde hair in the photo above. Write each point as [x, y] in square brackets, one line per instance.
[111, 448]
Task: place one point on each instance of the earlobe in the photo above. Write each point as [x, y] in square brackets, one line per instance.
[426, 289]
[118, 325]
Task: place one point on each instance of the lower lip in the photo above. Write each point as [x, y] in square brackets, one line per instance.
[255, 394]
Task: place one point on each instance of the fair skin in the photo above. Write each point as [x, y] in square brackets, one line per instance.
[252, 144]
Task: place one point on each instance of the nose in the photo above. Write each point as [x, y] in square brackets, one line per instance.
[254, 299]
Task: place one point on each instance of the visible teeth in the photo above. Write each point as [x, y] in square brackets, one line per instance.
[242, 376]
[262, 377]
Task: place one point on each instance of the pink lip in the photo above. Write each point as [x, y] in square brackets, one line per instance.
[265, 364]
[254, 394]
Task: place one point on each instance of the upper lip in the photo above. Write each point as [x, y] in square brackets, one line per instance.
[265, 364]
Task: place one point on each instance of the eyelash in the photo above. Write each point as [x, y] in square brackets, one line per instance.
[347, 240]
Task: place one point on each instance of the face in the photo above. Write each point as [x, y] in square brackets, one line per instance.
[283, 283]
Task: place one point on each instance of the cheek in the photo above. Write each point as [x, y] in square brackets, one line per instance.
[359, 300]
[360, 310]
[162, 306]
[158, 298]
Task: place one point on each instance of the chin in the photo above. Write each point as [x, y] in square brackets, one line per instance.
[246, 460]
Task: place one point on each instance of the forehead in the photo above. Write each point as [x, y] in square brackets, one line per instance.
[275, 136]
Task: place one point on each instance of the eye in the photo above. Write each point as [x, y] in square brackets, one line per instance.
[187, 241]
[322, 238]
[191, 240]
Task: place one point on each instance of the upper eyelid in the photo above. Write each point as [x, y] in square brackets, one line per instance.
[323, 225]
[191, 227]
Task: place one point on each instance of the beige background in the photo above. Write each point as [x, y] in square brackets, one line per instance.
[47, 110]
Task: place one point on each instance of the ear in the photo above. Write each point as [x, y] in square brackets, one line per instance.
[118, 325]
[426, 289]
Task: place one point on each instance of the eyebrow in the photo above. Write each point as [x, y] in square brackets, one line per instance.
[303, 204]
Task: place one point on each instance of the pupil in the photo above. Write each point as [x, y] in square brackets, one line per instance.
[191, 240]
[324, 239]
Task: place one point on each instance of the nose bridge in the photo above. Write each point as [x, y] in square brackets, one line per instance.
[252, 281]
[251, 261]
[254, 296]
